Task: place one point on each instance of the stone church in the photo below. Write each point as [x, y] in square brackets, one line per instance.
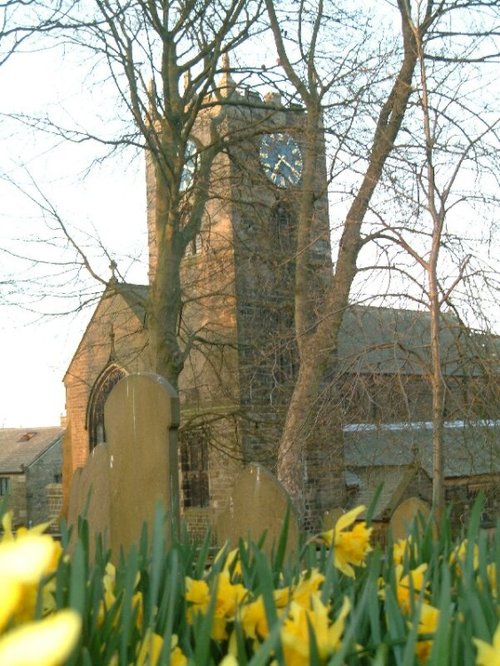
[238, 290]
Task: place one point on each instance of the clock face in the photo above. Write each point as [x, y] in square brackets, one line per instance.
[281, 159]
[189, 165]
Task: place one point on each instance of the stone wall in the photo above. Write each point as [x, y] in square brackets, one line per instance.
[17, 498]
[197, 520]
[461, 493]
[115, 335]
[42, 472]
[54, 493]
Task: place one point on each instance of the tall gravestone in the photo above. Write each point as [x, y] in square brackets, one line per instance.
[258, 503]
[141, 417]
[136, 469]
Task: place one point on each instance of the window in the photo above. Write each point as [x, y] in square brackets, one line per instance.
[193, 448]
[58, 478]
[4, 485]
[95, 412]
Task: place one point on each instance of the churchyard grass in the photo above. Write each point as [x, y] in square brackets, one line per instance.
[432, 599]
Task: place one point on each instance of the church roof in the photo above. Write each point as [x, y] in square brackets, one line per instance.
[135, 296]
[394, 340]
[470, 449]
[381, 340]
[21, 447]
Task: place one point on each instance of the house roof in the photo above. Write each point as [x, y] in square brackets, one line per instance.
[21, 447]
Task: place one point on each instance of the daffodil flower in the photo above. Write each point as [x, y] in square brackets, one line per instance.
[350, 547]
[307, 587]
[48, 642]
[428, 624]
[295, 633]
[411, 584]
[24, 561]
[401, 548]
[10, 599]
[459, 555]
[488, 655]
[229, 596]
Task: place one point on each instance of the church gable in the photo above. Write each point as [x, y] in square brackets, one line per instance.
[113, 345]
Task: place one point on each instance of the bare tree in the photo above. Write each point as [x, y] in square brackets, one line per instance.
[317, 339]
[460, 141]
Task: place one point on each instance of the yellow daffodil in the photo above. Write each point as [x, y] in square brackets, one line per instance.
[459, 554]
[27, 559]
[350, 547]
[401, 549]
[308, 585]
[411, 584]
[295, 631]
[491, 573]
[229, 660]
[151, 647]
[48, 642]
[229, 597]
[488, 655]
[198, 596]
[24, 561]
[253, 619]
[428, 624]
[232, 561]
[10, 599]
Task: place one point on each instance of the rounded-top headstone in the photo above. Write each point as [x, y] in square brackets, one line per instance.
[258, 503]
[403, 517]
[141, 417]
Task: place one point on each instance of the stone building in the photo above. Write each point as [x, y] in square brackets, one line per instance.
[238, 303]
[238, 291]
[31, 472]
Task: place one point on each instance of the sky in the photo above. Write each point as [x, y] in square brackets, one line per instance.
[35, 346]
[104, 201]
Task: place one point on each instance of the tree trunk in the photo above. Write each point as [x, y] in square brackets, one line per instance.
[319, 348]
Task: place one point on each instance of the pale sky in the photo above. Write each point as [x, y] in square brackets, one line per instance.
[108, 202]
[35, 351]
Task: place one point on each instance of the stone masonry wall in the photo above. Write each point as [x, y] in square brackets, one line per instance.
[17, 498]
[114, 334]
[45, 470]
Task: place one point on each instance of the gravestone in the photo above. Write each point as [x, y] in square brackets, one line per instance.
[90, 496]
[330, 518]
[257, 503]
[136, 469]
[403, 517]
[141, 417]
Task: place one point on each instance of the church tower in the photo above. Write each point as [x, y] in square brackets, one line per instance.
[238, 281]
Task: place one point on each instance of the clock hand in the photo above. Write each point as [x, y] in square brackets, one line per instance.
[290, 166]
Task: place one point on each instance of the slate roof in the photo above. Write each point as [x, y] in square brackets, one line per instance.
[382, 340]
[390, 340]
[135, 296]
[469, 448]
[393, 482]
[21, 447]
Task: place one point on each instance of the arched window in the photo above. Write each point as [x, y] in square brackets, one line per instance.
[98, 396]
